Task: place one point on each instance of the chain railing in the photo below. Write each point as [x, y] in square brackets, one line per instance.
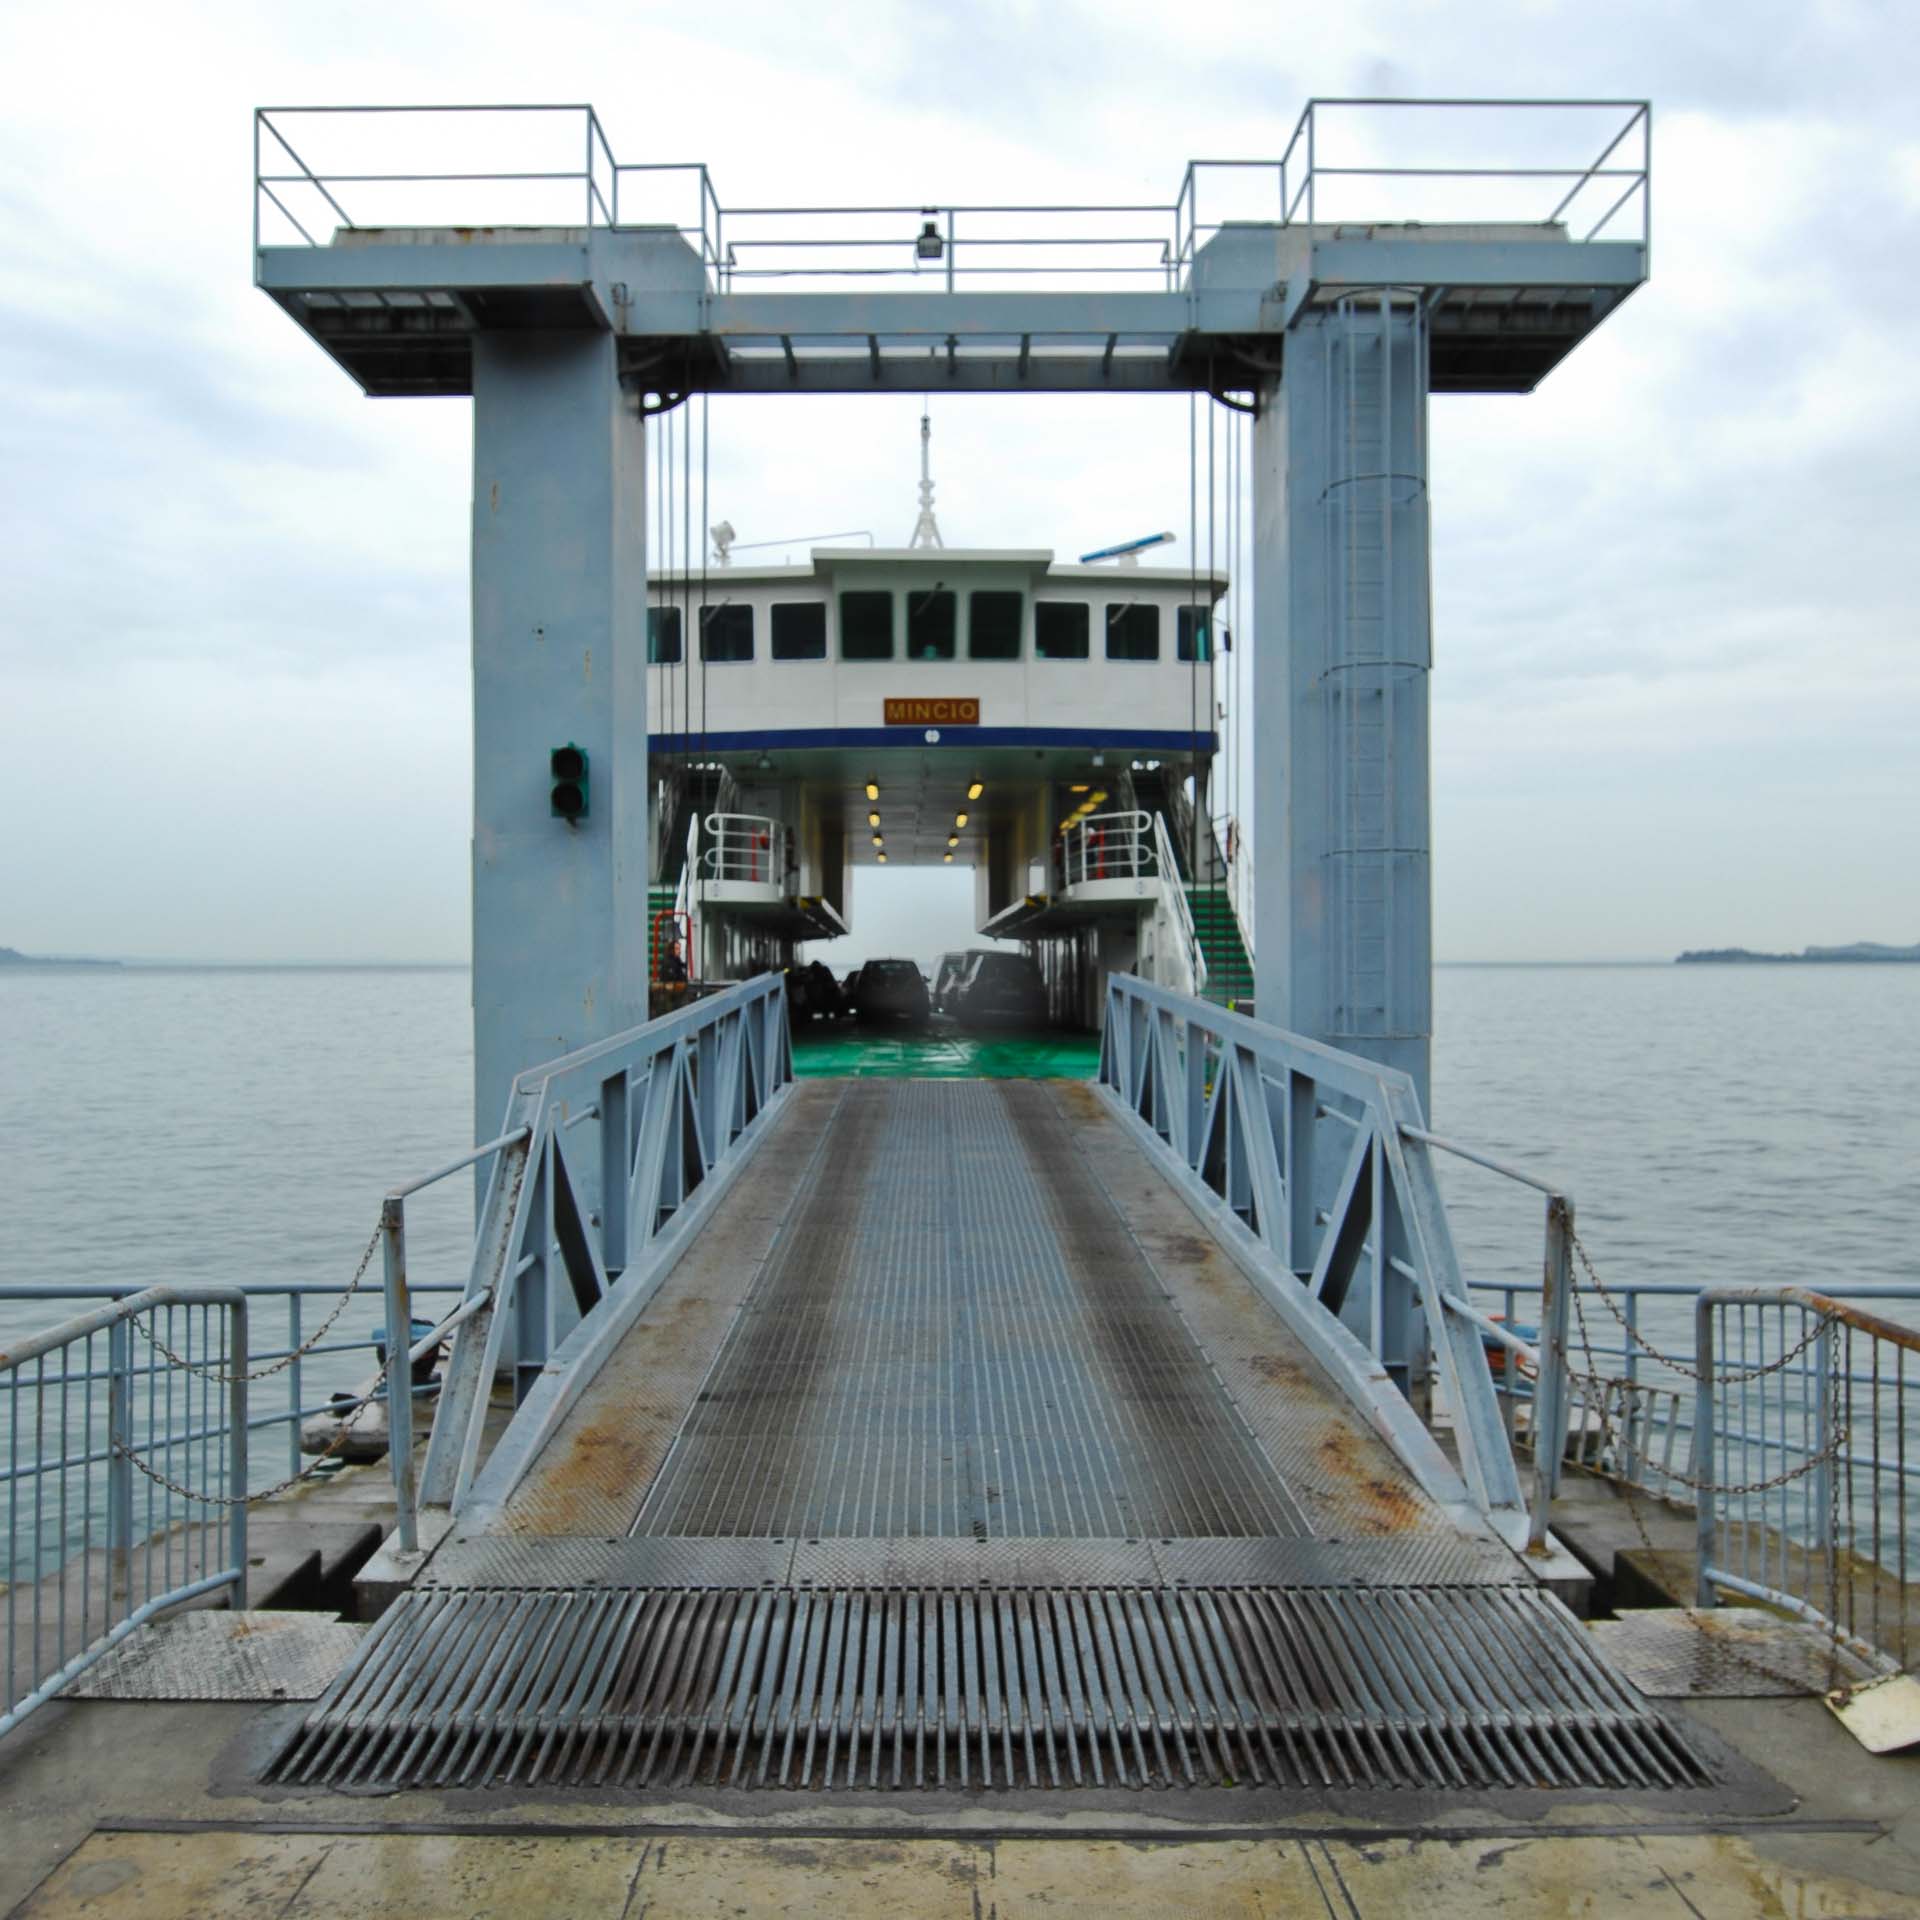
[125, 1483]
[1806, 1496]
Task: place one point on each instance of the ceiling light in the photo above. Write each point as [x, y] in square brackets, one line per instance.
[953, 839]
[873, 789]
[878, 841]
[947, 858]
[882, 859]
[976, 790]
[1081, 788]
[873, 819]
[959, 819]
[1096, 799]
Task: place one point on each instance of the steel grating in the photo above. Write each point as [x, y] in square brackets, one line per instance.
[958, 1336]
[222, 1655]
[1049, 1688]
[1726, 1653]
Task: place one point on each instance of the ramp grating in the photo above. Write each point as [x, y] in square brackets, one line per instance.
[1408, 1687]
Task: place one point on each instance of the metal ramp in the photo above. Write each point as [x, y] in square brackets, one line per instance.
[952, 1453]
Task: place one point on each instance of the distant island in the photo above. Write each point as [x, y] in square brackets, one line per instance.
[1807, 956]
[13, 957]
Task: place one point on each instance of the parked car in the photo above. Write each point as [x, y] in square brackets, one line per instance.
[893, 991]
[948, 974]
[813, 993]
[1000, 989]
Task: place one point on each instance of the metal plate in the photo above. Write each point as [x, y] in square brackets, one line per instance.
[495, 1561]
[1408, 1688]
[1727, 1653]
[211, 1655]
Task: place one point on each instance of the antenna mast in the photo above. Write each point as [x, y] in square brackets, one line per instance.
[926, 530]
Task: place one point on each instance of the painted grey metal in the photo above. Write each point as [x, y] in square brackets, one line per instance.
[610, 1159]
[1807, 1501]
[249, 1655]
[1340, 662]
[92, 1567]
[1011, 1688]
[1312, 1165]
[559, 656]
[399, 1309]
[956, 1336]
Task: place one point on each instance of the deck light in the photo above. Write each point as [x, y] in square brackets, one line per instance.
[873, 789]
[959, 819]
[976, 790]
[929, 245]
[873, 819]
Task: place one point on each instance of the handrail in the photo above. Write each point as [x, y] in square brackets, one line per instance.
[1182, 907]
[198, 1457]
[1139, 241]
[1342, 1227]
[614, 1153]
[748, 847]
[1807, 1540]
[1119, 845]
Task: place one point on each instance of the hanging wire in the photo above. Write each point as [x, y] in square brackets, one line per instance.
[1213, 700]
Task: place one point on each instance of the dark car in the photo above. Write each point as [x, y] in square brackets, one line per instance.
[813, 993]
[892, 991]
[1000, 990]
[952, 969]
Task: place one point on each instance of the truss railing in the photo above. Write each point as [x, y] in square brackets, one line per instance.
[609, 1160]
[1317, 1166]
[125, 1483]
[1578, 167]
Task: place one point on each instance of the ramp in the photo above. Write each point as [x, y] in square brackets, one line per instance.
[953, 1454]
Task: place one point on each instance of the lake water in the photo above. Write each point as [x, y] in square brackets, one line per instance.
[1714, 1123]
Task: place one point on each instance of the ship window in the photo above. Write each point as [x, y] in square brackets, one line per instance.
[1133, 630]
[1196, 634]
[663, 636]
[930, 625]
[726, 633]
[1060, 629]
[800, 630]
[993, 626]
[866, 626]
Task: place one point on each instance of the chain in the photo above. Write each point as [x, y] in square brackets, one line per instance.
[286, 1359]
[1609, 1438]
[319, 1460]
[1732, 1377]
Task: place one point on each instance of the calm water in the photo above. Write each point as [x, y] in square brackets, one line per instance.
[1715, 1124]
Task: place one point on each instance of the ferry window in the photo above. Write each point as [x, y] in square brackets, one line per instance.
[993, 626]
[866, 626]
[930, 625]
[663, 636]
[1133, 630]
[800, 630]
[1196, 634]
[1060, 629]
[726, 633]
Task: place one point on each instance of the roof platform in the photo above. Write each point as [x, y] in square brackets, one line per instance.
[1198, 294]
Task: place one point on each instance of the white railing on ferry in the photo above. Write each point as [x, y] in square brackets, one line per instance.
[744, 847]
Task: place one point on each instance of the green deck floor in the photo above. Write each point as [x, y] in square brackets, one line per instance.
[943, 1054]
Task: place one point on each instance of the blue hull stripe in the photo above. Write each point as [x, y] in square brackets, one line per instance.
[1096, 737]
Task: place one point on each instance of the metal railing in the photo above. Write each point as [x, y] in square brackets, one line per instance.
[125, 1496]
[1318, 1164]
[1110, 846]
[745, 847]
[1806, 1496]
[323, 169]
[609, 1159]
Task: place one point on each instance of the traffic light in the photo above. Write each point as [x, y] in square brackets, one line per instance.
[568, 798]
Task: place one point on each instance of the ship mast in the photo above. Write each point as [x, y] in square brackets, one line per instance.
[926, 529]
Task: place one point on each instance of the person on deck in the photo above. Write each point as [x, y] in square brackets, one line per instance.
[673, 970]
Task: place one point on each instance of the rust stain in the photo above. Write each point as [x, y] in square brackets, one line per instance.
[1386, 1506]
[1279, 1370]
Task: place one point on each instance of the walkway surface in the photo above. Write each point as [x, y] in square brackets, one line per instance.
[955, 1454]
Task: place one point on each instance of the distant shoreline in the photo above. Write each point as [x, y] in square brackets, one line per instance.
[1860, 953]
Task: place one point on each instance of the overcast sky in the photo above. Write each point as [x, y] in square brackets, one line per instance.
[1677, 691]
